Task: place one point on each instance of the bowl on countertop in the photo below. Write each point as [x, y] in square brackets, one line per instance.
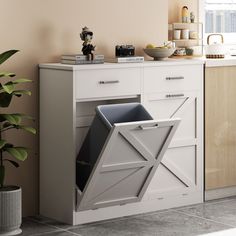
[159, 53]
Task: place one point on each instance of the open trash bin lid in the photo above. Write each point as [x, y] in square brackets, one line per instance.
[127, 162]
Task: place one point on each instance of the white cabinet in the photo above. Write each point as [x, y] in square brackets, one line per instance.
[68, 97]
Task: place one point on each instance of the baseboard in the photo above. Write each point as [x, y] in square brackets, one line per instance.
[220, 193]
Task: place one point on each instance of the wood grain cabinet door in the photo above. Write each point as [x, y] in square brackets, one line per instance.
[220, 127]
[180, 171]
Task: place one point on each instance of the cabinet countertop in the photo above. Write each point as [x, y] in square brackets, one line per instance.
[227, 61]
[167, 62]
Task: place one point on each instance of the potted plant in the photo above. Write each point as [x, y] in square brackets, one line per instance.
[10, 196]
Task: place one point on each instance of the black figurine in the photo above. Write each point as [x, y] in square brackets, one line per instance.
[86, 35]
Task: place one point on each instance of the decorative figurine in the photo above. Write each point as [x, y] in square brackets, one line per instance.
[192, 17]
[185, 14]
[87, 35]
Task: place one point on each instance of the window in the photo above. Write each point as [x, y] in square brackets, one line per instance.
[220, 17]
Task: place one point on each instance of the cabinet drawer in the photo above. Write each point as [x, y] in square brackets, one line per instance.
[107, 83]
[172, 78]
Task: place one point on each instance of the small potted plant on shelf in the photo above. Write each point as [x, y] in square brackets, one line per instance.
[10, 196]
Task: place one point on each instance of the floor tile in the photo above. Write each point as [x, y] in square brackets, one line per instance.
[224, 212]
[228, 232]
[163, 224]
[58, 233]
[30, 227]
[39, 218]
[215, 201]
[45, 220]
[212, 218]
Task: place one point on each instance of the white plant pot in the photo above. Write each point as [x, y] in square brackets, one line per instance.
[10, 210]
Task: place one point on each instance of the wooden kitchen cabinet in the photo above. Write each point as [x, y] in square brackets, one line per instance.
[220, 131]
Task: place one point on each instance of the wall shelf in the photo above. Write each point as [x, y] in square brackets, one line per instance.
[195, 44]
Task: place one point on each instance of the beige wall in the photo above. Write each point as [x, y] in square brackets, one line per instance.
[43, 30]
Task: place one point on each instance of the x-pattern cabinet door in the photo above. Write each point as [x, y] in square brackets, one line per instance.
[180, 169]
[127, 163]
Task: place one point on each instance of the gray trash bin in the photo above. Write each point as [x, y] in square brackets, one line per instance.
[106, 116]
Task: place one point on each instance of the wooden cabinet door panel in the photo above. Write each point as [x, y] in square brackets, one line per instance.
[220, 127]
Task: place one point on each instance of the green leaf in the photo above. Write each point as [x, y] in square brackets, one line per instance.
[14, 163]
[22, 80]
[5, 55]
[14, 119]
[8, 87]
[5, 99]
[21, 92]
[2, 143]
[4, 117]
[19, 153]
[6, 125]
[26, 116]
[7, 74]
[28, 129]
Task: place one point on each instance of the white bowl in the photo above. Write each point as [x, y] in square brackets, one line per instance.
[159, 53]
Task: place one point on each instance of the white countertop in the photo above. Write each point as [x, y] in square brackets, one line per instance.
[227, 61]
[167, 62]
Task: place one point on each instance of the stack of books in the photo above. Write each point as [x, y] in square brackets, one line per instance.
[80, 59]
[129, 59]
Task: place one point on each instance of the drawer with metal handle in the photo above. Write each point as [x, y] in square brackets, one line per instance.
[172, 78]
[104, 83]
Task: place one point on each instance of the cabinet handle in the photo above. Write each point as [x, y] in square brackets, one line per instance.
[148, 127]
[175, 95]
[175, 78]
[109, 82]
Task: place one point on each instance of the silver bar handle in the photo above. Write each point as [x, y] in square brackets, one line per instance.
[175, 78]
[175, 95]
[148, 127]
[109, 82]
